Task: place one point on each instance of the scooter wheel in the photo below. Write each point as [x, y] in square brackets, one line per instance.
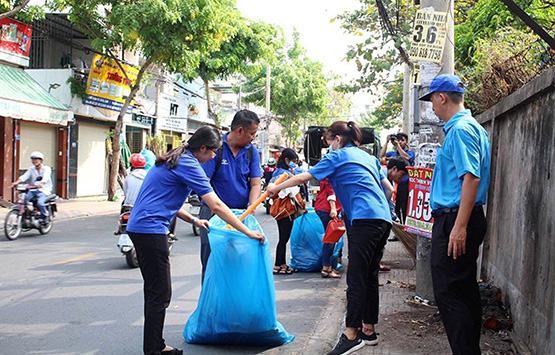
[131, 258]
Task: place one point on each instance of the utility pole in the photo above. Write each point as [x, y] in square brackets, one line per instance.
[264, 136]
[430, 133]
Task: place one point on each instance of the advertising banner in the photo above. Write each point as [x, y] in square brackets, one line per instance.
[15, 41]
[107, 85]
[419, 212]
[428, 36]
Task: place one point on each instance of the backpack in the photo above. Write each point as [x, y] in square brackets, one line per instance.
[219, 157]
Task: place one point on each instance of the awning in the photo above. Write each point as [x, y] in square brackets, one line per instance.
[21, 97]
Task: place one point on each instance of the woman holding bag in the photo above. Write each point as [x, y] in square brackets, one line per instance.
[285, 207]
[327, 208]
[357, 180]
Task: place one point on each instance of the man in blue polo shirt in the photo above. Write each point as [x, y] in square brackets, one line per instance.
[235, 172]
[459, 190]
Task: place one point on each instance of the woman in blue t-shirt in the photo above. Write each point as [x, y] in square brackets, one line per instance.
[358, 182]
[161, 197]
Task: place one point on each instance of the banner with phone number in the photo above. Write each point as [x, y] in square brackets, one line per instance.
[419, 212]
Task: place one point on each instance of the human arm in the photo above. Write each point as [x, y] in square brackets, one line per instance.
[333, 208]
[255, 190]
[222, 211]
[292, 181]
[457, 238]
[22, 178]
[187, 217]
[387, 188]
[384, 149]
[402, 152]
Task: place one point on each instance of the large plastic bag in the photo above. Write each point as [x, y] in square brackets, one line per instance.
[237, 302]
[306, 242]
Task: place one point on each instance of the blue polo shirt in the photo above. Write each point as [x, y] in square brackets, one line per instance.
[231, 181]
[395, 154]
[163, 193]
[356, 179]
[465, 150]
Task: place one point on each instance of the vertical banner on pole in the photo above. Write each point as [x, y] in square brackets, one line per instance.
[419, 215]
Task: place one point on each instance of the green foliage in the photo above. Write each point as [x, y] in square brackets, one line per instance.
[299, 90]
[77, 86]
[388, 113]
[28, 14]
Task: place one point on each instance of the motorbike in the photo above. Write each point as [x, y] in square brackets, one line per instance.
[23, 217]
[125, 244]
[194, 202]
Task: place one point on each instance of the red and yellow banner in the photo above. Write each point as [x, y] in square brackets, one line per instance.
[419, 212]
[15, 41]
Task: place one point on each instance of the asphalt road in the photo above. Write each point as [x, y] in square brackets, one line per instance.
[71, 292]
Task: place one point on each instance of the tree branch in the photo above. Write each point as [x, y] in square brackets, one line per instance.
[382, 12]
[15, 10]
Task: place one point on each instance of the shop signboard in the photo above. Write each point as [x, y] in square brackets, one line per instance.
[428, 36]
[419, 212]
[172, 113]
[15, 42]
[107, 85]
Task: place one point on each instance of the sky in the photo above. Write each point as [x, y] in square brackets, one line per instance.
[324, 41]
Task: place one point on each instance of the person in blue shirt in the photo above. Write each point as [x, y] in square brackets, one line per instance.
[358, 182]
[234, 172]
[458, 192]
[401, 149]
[163, 192]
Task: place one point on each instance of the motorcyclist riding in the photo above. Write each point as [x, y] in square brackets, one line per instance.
[40, 177]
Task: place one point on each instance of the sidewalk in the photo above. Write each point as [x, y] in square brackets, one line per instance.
[79, 207]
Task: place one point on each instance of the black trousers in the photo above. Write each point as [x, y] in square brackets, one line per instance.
[285, 225]
[366, 242]
[455, 287]
[401, 200]
[204, 213]
[153, 254]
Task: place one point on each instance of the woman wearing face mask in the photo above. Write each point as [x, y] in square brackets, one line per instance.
[358, 183]
[161, 197]
[287, 163]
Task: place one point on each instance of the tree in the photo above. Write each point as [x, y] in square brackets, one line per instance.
[250, 43]
[20, 10]
[299, 90]
[172, 34]
[388, 113]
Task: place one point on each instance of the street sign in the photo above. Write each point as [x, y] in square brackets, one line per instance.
[416, 78]
[419, 212]
[428, 36]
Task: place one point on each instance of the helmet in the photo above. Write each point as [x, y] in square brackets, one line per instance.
[271, 162]
[137, 160]
[37, 155]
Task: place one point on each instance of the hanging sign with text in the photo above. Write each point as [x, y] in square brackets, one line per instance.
[428, 36]
[419, 215]
[15, 41]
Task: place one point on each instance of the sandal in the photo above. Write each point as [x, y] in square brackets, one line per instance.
[330, 274]
[282, 270]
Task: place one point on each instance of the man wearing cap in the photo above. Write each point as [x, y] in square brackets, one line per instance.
[459, 190]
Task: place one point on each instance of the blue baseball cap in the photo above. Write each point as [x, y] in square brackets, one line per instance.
[444, 83]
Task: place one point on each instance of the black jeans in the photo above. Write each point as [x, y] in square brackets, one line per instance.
[455, 287]
[285, 225]
[204, 213]
[367, 239]
[401, 200]
[153, 254]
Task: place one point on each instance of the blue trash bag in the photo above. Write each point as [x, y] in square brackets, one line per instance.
[237, 304]
[306, 242]
[335, 256]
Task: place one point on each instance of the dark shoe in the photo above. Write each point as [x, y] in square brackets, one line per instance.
[371, 339]
[345, 346]
[172, 352]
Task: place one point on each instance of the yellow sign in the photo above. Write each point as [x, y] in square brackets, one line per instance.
[428, 36]
[107, 85]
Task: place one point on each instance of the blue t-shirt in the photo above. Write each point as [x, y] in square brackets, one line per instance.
[466, 149]
[163, 193]
[231, 181]
[395, 154]
[356, 179]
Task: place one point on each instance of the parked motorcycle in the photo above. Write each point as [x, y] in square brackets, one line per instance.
[125, 244]
[23, 217]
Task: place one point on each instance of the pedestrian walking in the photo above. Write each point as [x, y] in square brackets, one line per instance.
[161, 197]
[357, 180]
[327, 208]
[459, 190]
[285, 217]
[234, 172]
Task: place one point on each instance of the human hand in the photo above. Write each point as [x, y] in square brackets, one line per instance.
[256, 235]
[333, 213]
[457, 242]
[201, 223]
[272, 189]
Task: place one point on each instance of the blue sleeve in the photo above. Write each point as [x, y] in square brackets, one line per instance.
[209, 166]
[191, 173]
[391, 154]
[255, 168]
[325, 167]
[466, 153]
[381, 171]
[411, 157]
